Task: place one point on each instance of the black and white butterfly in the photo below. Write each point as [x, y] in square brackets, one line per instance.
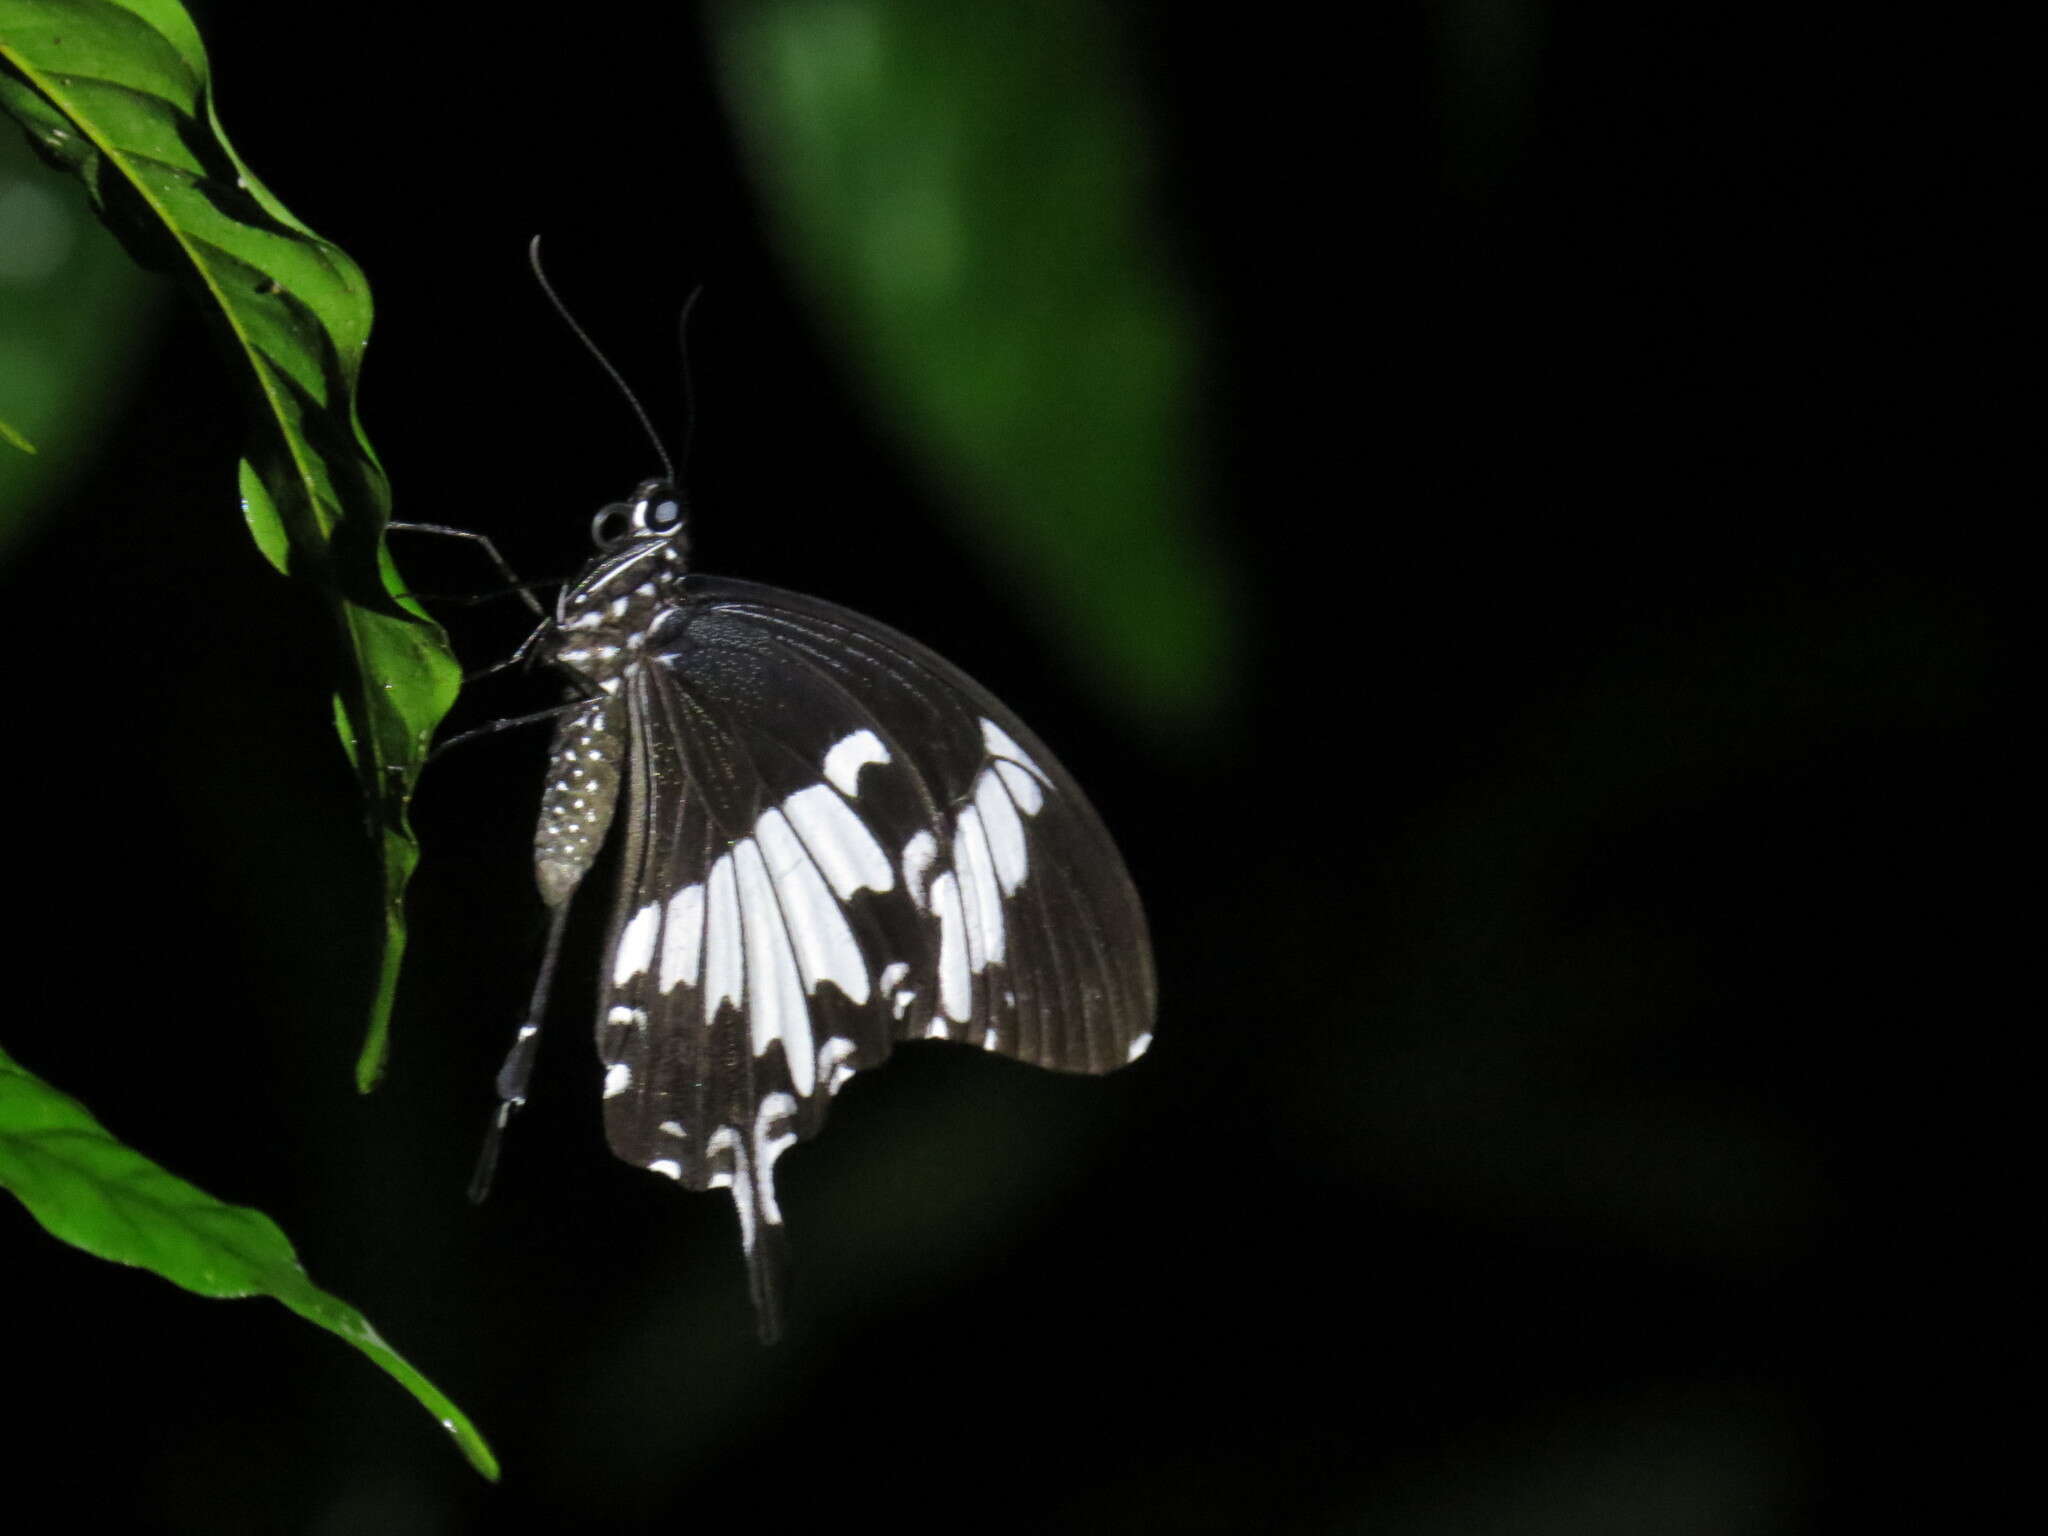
[833, 841]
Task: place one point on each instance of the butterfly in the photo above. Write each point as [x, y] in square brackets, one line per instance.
[832, 841]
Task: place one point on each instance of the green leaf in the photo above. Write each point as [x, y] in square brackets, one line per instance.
[14, 439]
[964, 189]
[116, 92]
[90, 1190]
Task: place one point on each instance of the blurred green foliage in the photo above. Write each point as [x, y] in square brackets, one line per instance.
[964, 192]
[75, 318]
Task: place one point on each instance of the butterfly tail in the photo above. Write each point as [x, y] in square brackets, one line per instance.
[768, 1278]
[751, 1179]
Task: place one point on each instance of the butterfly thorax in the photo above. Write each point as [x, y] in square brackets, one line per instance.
[602, 621]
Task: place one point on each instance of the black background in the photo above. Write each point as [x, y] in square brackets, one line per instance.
[1563, 930]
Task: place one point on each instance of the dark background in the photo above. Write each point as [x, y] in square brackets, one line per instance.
[1564, 922]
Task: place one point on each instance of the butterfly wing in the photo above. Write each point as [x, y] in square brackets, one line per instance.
[836, 840]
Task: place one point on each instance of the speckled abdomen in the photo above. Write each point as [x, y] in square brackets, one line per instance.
[582, 792]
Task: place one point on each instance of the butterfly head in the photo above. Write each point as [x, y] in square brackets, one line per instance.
[643, 551]
[655, 510]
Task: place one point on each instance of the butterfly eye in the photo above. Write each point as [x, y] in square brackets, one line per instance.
[612, 524]
[657, 508]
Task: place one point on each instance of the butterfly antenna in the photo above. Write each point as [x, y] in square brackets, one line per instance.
[647, 426]
[689, 383]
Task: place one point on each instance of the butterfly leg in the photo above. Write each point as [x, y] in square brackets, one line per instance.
[518, 1067]
[498, 561]
[520, 657]
[553, 712]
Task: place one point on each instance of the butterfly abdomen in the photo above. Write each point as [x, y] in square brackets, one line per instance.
[581, 795]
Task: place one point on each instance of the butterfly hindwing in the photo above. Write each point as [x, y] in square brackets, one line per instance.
[835, 840]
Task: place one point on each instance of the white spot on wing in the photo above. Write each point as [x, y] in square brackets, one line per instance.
[777, 1107]
[840, 844]
[892, 973]
[636, 944]
[849, 755]
[956, 976]
[776, 1009]
[825, 947]
[918, 854]
[980, 898]
[936, 1029]
[739, 1179]
[835, 1062]
[667, 1167]
[634, 1017]
[1001, 744]
[1022, 787]
[682, 937]
[618, 1077]
[724, 972]
[1140, 1046]
[1005, 829]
